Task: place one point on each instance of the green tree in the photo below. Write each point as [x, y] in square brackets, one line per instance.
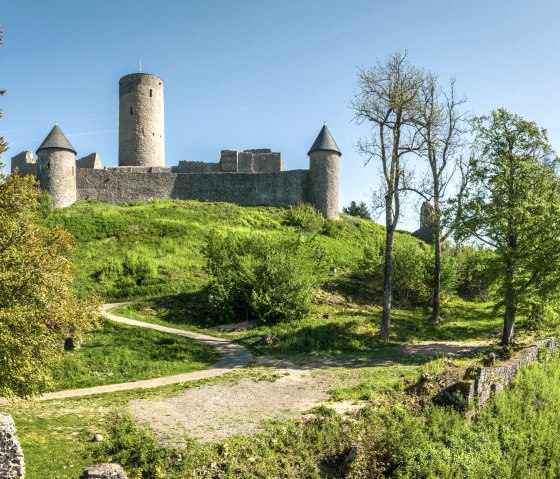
[3, 144]
[359, 210]
[388, 99]
[513, 206]
[37, 307]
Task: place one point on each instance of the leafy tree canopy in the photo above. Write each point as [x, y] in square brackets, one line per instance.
[513, 206]
[37, 307]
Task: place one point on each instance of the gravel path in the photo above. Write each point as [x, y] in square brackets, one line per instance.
[216, 411]
[233, 356]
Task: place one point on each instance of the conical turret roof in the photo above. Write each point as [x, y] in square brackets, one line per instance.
[324, 141]
[56, 139]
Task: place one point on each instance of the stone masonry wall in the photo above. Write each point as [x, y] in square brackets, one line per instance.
[25, 163]
[57, 175]
[490, 380]
[11, 455]
[141, 120]
[268, 189]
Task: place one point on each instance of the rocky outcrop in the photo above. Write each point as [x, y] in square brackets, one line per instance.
[11, 455]
[104, 471]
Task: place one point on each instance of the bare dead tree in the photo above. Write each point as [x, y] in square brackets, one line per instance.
[442, 124]
[388, 98]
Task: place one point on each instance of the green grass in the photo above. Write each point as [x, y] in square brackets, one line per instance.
[514, 436]
[152, 249]
[333, 329]
[117, 353]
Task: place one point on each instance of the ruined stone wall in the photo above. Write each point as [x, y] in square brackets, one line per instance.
[25, 163]
[11, 455]
[269, 189]
[141, 127]
[262, 160]
[492, 379]
[90, 161]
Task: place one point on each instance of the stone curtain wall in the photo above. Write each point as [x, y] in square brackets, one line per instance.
[267, 189]
[11, 454]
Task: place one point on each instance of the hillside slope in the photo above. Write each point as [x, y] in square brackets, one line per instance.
[145, 249]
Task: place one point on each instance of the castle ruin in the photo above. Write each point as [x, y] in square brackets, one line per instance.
[249, 177]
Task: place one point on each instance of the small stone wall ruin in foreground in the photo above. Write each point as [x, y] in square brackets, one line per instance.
[492, 379]
[104, 471]
[487, 381]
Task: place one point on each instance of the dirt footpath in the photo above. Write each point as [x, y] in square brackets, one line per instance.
[214, 412]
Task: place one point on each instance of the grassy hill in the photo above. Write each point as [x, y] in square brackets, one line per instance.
[153, 252]
[146, 249]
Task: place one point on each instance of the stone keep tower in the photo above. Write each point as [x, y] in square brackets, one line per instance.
[323, 174]
[56, 168]
[141, 138]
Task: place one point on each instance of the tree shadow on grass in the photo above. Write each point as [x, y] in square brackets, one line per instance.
[349, 338]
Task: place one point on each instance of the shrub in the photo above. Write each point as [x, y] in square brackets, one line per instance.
[45, 204]
[136, 450]
[261, 278]
[411, 270]
[475, 276]
[334, 228]
[305, 217]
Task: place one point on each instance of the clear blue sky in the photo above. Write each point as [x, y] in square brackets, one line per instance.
[263, 73]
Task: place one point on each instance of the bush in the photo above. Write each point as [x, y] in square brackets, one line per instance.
[140, 453]
[305, 217]
[411, 270]
[45, 204]
[261, 278]
[475, 276]
[464, 270]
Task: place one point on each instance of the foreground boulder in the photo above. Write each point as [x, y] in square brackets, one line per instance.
[11, 455]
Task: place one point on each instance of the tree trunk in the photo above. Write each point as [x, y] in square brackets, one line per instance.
[509, 315]
[437, 278]
[509, 321]
[437, 259]
[387, 285]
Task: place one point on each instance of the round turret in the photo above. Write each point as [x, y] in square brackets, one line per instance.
[56, 168]
[323, 174]
[141, 138]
